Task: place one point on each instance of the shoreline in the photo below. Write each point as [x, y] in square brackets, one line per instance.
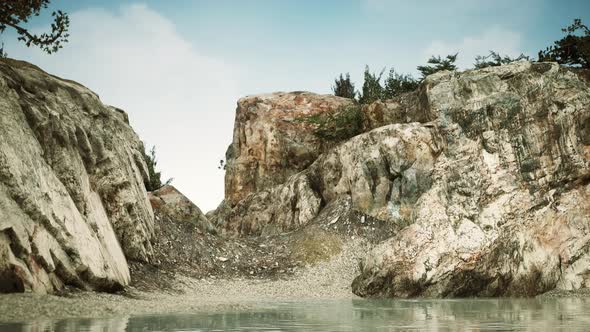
[327, 280]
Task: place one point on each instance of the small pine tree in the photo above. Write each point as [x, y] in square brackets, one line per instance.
[436, 64]
[372, 89]
[155, 180]
[343, 87]
[396, 84]
[571, 50]
[494, 59]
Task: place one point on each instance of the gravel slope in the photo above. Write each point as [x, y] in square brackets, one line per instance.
[325, 280]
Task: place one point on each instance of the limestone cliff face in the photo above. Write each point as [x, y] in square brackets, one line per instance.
[274, 139]
[508, 211]
[382, 172]
[487, 172]
[72, 201]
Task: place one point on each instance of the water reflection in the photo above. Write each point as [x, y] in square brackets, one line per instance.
[354, 315]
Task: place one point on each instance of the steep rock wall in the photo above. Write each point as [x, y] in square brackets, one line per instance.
[274, 139]
[508, 211]
[72, 201]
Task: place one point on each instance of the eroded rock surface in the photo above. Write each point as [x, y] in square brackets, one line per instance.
[274, 139]
[173, 205]
[484, 175]
[72, 201]
[383, 172]
[508, 210]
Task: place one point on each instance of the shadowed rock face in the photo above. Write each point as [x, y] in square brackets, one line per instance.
[274, 139]
[72, 201]
[173, 205]
[487, 172]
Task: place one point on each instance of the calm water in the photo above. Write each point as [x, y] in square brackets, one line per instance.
[354, 315]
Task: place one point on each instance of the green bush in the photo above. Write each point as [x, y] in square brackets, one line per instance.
[372, 89]
[396, 84]
[343, 87]
[436, 64]
[155, 180]
[494, 59]
[338, 126]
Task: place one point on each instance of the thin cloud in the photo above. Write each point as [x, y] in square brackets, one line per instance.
[503, 41]
[177, 98]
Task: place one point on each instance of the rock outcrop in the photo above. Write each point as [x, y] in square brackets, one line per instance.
[173, 205]
[383, 172]
[486, 173]
[508, 211]
[274, 139]
[73, 205]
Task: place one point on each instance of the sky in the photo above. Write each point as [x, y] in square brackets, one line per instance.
[178, 67]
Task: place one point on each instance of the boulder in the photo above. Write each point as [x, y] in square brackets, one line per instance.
[171, 204]
[72, 201]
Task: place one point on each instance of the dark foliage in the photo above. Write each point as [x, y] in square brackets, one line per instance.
[372, 89]
[343, 87]
[222, 165]
[573, 49]
[494, 59]
[338, 126]
[155, 181]
[396, 84]
[14, 13]
[436, 64]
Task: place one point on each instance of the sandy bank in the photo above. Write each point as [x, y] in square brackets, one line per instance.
[326, 280]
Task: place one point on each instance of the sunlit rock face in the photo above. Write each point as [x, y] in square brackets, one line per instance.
[274, 139]
[508, 210]
[383, 172]
[486, 172]
[72, 201]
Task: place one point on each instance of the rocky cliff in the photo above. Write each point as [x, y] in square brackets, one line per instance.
[486, 173]
[508, 210]
[72, 201]
[274, 139]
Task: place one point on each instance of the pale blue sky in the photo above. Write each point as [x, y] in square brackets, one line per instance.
[178, 67]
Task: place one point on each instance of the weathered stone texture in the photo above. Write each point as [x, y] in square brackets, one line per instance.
[508, 211]
[486, 171]
[72, 201]
[274, 139]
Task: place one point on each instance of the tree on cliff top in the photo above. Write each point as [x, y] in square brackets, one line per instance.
[14, 13]
[436, 64]
[396, 84]
[343, 87]
[494, 59]
[372, 89]
[155, 181]
[571, 50]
